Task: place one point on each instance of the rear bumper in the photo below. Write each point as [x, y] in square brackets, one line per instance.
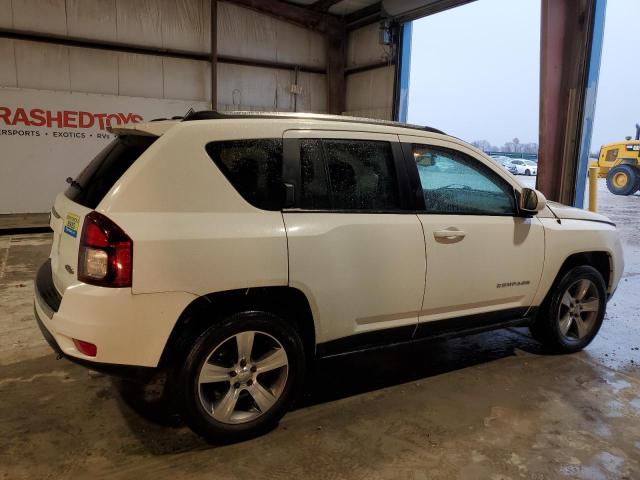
[130, 331]
[46, 304]
[123, 371]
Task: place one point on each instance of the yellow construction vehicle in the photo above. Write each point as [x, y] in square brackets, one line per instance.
[619, 162]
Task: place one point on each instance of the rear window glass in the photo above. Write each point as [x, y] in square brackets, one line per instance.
[93, 183]
[254, 168]
[362, 175]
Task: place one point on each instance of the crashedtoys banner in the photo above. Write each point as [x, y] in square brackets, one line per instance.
[47, 136]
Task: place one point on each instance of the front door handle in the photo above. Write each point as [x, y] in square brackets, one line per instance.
[449, 234]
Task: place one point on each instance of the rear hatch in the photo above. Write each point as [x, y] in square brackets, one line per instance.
[83, 195]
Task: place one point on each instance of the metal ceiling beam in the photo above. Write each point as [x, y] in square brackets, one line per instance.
[248, 62]
[376, 12]
[410, 10]
[366, 67]
[101, 45]
[365, 16]
[154, 51]
[304, 17]
[323, 5]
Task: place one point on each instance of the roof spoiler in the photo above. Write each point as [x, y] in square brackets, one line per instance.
[150, 129]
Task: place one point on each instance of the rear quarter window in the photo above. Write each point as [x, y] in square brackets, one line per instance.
[95, 181]
[253, 167]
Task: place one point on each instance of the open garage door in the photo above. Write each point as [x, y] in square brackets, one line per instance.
[474, 73]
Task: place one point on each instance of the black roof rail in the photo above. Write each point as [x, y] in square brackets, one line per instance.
[162, 119]
[215, 115]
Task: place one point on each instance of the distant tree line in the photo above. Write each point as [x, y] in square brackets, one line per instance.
[514, 146]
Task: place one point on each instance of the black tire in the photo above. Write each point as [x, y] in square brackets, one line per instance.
[188, 390]
[547, 328]
[623, 180]
[527, 172]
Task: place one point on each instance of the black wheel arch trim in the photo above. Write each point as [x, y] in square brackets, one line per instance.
[590, 258]
[288, 302]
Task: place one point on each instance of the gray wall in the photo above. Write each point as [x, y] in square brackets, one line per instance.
[369, 93]
[171, 24]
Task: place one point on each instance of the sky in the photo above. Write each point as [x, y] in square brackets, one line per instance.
[475, 72]
[618, 100]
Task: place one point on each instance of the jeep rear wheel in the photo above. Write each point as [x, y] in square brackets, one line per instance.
[241, 377]
[572, 314]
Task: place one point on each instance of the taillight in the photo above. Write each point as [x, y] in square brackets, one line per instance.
[106, 253]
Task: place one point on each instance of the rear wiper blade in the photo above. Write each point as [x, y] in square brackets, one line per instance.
[73, 183]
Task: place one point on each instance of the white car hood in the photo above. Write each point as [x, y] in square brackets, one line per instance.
[571, 213]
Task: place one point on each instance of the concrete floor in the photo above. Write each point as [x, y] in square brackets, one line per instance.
[18, 222]
[486, 406]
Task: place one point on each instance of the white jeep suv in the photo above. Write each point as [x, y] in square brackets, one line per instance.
[232, 250]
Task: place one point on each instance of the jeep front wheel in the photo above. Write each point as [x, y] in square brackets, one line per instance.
[573, 312]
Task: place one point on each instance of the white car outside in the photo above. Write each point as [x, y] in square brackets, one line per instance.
[523, 167]
[502, 161]
[233, 250]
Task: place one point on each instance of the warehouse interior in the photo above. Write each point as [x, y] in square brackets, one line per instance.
[492, 405]
[325, 57]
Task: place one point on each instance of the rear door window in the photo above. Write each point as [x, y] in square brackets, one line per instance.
[254, 168]
[348, 175]
[95, 181]
[361, 175]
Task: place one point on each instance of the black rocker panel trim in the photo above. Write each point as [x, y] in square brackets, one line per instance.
[451, 327]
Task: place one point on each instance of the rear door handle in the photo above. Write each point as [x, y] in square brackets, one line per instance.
[449, 234]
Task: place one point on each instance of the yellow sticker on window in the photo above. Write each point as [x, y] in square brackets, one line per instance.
[71, 224]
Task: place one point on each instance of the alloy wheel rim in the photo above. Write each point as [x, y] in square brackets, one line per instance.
[578, 311]
[243, 377]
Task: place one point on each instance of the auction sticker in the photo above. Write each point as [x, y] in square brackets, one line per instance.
[71, 224]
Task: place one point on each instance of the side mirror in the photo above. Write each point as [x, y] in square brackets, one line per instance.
[423, 157]
[531, 201]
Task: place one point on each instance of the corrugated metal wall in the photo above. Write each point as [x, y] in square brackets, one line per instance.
[181, 25]
[369, 93]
